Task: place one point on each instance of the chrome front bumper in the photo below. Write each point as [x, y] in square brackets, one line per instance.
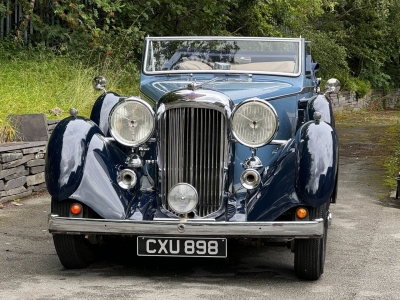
[300, 229]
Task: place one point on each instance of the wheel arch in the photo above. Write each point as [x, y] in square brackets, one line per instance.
[317, 162]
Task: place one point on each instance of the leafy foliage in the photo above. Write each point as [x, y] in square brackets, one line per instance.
[368, 32]
[3, 10]
[357, 41]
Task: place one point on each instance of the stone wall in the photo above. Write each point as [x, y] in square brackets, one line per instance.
[51, 124]
[21, 169]
[22, 165]
[377, 99]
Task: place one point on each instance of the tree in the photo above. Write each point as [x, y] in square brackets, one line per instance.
[366, 31]
[357, 41]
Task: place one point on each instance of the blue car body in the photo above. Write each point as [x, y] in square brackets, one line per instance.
[299, 165]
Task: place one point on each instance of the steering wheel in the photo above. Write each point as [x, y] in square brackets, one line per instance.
[180, 65]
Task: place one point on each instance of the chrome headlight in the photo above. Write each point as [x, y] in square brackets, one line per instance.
[131, 122]
[254, 123]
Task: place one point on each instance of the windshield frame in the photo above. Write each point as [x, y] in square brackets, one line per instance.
[148, 48]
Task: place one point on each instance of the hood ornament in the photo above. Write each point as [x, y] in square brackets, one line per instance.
[194, 85]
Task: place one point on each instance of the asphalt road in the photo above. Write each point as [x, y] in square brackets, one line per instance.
[363, 257]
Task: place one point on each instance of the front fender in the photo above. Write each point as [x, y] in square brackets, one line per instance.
[101, 109]
[82, 165]
[323, 105]
[65, 155]
[317, 162]
[276, 193]
[98, 188]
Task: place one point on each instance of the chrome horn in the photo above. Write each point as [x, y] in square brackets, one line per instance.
[126, 179]
[250, 179]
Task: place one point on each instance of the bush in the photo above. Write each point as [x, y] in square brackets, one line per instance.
[362, 88]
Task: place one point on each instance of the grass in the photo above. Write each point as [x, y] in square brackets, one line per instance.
[365, 116]
[388, 140]
[392, 162]
[45, 82]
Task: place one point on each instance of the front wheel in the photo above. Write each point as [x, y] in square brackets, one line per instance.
[74, 251]
[309, 255]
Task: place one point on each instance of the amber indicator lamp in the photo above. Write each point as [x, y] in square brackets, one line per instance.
[301, 212]
[76, 209]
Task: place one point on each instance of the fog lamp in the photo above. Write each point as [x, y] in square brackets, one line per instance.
[182, 198]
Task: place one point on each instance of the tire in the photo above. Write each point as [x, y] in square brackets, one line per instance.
[74, 251]
[334, 193]
[309, 254]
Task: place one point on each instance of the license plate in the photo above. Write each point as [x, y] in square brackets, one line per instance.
[182, 246]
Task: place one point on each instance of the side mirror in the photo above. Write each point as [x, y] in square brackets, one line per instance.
[99, 83]
[332, 86]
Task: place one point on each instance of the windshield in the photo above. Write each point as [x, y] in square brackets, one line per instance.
[228, 54]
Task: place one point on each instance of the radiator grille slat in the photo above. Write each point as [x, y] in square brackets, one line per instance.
[194, 150]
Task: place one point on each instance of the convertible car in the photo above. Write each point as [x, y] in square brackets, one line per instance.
[230, 138]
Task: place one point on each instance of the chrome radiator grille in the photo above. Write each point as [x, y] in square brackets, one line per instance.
[193, 149]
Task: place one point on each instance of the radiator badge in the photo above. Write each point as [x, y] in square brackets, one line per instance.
[193, 95]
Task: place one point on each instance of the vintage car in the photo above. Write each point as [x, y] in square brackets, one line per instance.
[229, 139]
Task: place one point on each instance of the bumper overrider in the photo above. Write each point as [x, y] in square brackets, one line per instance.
[167, 227]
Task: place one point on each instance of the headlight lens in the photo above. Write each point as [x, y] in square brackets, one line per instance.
[182, 198]
[131, 122]
[254, 123]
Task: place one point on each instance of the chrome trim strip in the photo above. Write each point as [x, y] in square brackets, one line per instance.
[292, 229]
[222, 38]
[183, 220]
[304, 90]
[278, 142]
